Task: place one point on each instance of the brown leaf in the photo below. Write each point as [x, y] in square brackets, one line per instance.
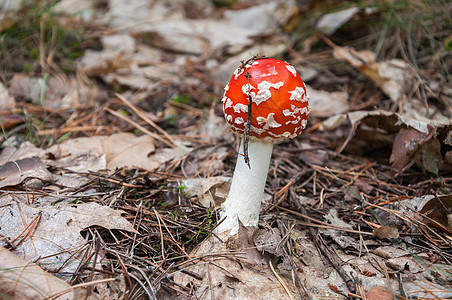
[429, 155]
[14, 172]
[20, 279]
[117, 150]
[58, 230]
[379, 293]
[386, 232]
[8, 120]
[438, 210]
[405, 146]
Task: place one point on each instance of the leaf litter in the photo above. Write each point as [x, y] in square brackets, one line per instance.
[121, 191]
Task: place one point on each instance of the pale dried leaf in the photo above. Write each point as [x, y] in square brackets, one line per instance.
[81, 8]
[326, 104]
[405, 263]
[20, 279]
[228, 276]
[390, 252]
[14, 172]
[6, 100]
[209, 192]
[105, 152]
[339, 237]
[59, 91]
[393, 76]
[58, 229]
[26, 150]
[329, 23]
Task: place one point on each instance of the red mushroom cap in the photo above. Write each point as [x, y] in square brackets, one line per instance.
[280, 105]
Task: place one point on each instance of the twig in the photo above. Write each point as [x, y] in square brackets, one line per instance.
[333, 259]
[169, 232]
[81, 285]
[147, 120]
[124, 271]
[246, 132]
[161, 234]
[33, 224]
[322, 224]
[372, 212]
[151, 134]
[68, 129]
[280, 281]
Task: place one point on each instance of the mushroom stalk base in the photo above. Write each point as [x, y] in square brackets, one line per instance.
[247, 188]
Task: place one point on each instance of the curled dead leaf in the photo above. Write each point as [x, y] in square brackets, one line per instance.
[411, 145]
[386, 232]
[392, 76]
[20, 279]
[14, 172]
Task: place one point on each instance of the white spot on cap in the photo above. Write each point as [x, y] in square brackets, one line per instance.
[263, 93]
[271, 72]
[269, 121]
[257, 130]
[246, 89]
[291, 70]
[228, 103]
[240, 107]
[298, 94]
[284, 135]
[229, 118]
[226, 88]
[238, 72]
[239, 120]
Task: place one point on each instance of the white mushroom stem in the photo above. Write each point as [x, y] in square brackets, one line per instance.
[247, 188]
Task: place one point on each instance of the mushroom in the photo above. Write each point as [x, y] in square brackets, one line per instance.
[272, 93]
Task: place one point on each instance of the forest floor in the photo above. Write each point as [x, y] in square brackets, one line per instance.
[115, 156]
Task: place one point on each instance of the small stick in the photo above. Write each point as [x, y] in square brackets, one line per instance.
[151, 134]
[246, 133]
[147, 120]
[281, 281]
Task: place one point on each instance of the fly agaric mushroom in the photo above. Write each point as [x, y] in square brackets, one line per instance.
[265, 101]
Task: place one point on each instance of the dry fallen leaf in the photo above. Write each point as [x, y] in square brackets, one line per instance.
[9, 120]
[20, 279]
[392, 76]
[14, 172]
[379, 293]
[226, 275]
[55, 241]
[412, 146]
[405, 145]
[6, 100]
[209, 192]
[119, 150]
[329, 23]
[326, 104]
[438, 211]
[386, 232]
[434, 210]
